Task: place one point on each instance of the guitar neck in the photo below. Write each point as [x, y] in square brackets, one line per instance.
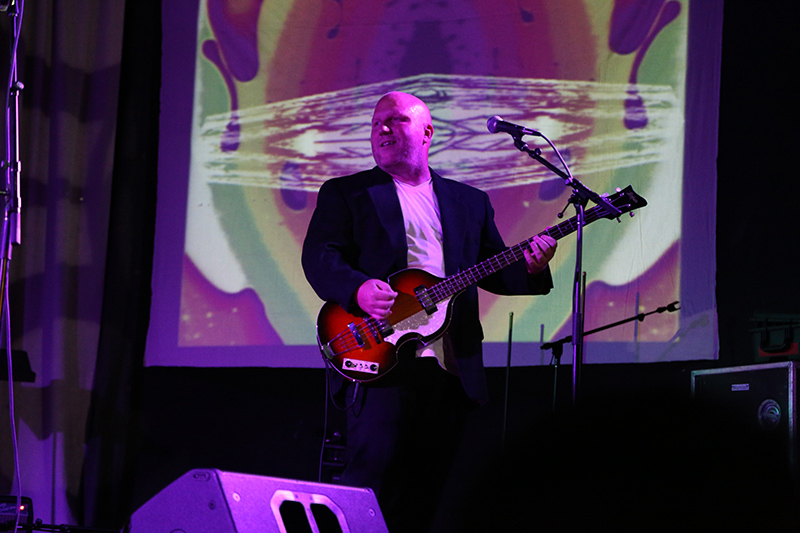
[460, 281]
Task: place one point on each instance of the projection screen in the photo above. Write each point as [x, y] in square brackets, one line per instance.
[262, 101]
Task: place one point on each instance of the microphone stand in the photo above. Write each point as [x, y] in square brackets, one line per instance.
[11, 232]
[11, 164]
[580, 197]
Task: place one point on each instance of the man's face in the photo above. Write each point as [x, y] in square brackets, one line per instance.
[401, 134]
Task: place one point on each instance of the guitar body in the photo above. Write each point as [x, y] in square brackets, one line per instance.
[363, 349]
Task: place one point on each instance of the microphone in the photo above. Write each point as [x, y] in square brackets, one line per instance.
[496, 124]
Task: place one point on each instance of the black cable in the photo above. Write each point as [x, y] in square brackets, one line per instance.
[324, 423]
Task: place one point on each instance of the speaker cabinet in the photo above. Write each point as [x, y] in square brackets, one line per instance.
[214, 501]
[761, 398]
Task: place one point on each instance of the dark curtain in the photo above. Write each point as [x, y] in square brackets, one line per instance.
[69, 61]
[757, 227]
[107, 480]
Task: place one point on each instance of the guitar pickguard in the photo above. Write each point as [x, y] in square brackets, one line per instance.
[428, 326]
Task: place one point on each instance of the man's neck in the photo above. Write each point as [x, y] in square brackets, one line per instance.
[413, 178]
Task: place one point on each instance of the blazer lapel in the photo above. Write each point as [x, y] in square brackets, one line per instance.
[454, 222]
[390, 215]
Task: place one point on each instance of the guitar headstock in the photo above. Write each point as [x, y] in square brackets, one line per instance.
[626, 200]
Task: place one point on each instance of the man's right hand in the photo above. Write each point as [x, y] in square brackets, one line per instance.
[376, 297]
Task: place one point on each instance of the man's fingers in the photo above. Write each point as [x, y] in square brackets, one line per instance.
[376, 297]
[544, 246]
[542, 250]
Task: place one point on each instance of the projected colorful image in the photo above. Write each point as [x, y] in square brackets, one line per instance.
[282, 95]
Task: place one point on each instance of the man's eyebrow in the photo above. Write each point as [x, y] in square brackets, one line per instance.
[393, 116]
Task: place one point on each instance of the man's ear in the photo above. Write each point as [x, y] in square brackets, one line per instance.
[428, 133]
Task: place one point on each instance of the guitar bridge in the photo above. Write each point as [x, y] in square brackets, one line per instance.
[356, 334]
[424, 299]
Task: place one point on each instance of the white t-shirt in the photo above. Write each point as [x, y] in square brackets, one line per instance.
[423, 225]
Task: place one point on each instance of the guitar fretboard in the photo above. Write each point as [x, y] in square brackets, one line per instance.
[460, 281]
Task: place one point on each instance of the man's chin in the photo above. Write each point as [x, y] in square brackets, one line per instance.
[392, 166]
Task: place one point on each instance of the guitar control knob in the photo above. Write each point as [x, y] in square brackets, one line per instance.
[349, 364]
[373, 367]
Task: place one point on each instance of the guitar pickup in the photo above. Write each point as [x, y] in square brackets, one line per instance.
[384, 328]
[424, 299]
[380, 329]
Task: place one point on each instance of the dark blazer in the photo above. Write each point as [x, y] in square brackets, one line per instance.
[357, 233]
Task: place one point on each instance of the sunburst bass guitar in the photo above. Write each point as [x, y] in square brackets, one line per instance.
[363, 349]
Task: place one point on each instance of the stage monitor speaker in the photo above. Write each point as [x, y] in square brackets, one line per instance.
[213, 501]
[762, 398]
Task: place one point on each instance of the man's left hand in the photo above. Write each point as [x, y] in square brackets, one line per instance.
[542, 250]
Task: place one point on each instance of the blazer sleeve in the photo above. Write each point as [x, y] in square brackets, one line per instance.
[514, 279]
[330, 249]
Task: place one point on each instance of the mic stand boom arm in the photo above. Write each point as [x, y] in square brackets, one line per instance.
[580, 189]
[556, 345]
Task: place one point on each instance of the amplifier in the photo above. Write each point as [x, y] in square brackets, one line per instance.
[761, 398]
[8, 512]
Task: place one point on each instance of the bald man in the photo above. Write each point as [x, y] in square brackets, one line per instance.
[403, 429]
